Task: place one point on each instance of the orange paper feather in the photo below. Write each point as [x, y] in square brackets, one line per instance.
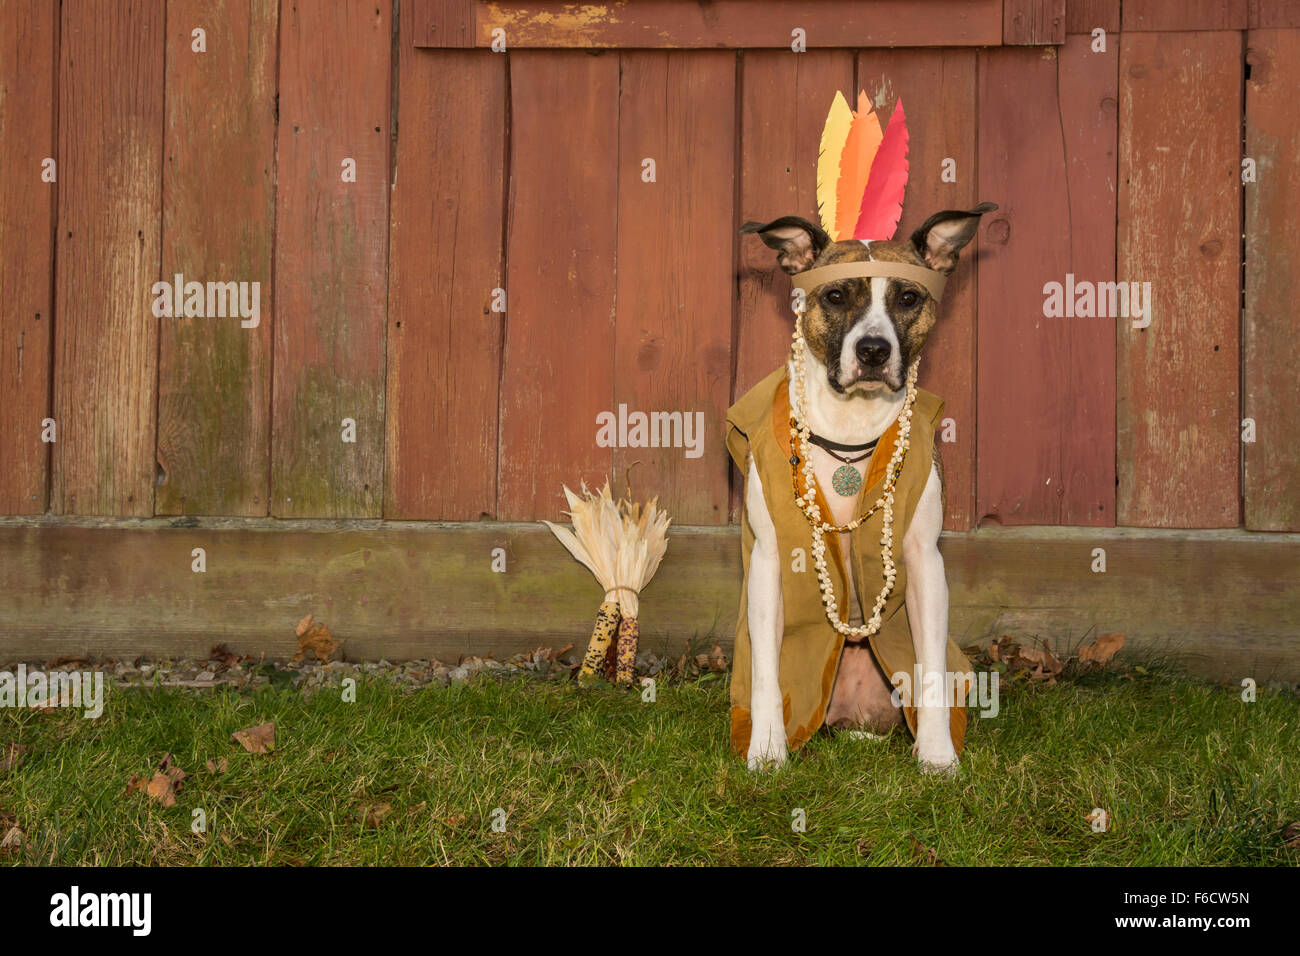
[855, 166]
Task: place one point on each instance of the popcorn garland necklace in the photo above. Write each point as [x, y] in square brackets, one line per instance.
[800, 435]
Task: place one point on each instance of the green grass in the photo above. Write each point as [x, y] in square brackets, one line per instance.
[1190, 774]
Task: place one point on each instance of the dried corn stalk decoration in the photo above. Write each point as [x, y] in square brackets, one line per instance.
[594, 541]
[622, 545]
[643, 542]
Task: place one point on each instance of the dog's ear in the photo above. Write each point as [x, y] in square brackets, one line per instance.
[946, 233]
[797, 241]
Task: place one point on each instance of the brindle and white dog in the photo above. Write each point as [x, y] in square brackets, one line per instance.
[862, 335]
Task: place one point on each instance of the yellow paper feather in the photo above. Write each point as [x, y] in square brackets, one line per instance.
[855, 164]
[834, 135]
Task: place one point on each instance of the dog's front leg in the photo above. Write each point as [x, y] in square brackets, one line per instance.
[766, 617]
[927, 612]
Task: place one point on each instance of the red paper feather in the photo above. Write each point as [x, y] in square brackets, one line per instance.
[882, 200]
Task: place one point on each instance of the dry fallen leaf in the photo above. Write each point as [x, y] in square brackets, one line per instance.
[374, 815]
[218, 766]
[1102, 649]
[1291, 836]
[13, 839]
[256, 740]
[924, 854]
[315, 638]
[1044, 661]
[455, 820]
[162, 786]
[222, 655]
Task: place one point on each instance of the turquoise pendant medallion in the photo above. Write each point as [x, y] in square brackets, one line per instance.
[846, 481]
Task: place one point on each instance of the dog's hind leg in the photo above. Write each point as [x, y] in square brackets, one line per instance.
[766, 619]
[927, 612]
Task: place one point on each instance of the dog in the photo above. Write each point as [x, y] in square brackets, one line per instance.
[862, 333]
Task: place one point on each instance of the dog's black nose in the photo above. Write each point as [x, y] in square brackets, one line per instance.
[873, 351]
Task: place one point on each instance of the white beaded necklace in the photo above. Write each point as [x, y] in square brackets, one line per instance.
[807, 501]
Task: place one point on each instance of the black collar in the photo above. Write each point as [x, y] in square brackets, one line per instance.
[837, 446]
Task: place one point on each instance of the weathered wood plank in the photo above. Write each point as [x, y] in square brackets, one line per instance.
[1272, 14]
[1222, 602]
[439, 23]
[444, 339]
[558, 372]
[1179, 229]
[330, 260]
[110, 217]
[1170, 15]
[1042, 384]
[783, 104]
[1033, 22]
[1088, 91]
[674, 302]
[1272, 473]
[938, 91]
[1084, 16]
[214, 374]
[28, 70]
[746, 24]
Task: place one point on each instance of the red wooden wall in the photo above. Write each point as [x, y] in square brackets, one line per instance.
[498, 268]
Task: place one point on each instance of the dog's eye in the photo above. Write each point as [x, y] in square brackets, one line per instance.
[908, 299]
[835, 297]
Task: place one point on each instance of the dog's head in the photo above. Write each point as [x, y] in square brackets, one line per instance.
[867, 330]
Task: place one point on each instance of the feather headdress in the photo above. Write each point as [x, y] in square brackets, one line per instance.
[861, 171]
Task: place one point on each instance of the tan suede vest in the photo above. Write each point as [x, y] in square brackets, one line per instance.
[759, 423]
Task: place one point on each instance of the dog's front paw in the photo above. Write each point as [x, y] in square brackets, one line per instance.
[767, 748]
[937, 757]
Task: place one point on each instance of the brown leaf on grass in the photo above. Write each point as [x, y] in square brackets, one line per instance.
[454, 820]
[222, 655]
[13, 839]
[163, 785]
[218, 766]
[1291, 836]
[1102, 649]
[11, 757]
[1004, 649]
[372, 816]
[714, 660]
[1046, 665]
[315, 638]
[256, 740]
[924, 854]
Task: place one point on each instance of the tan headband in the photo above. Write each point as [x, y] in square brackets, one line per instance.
[933, 281]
